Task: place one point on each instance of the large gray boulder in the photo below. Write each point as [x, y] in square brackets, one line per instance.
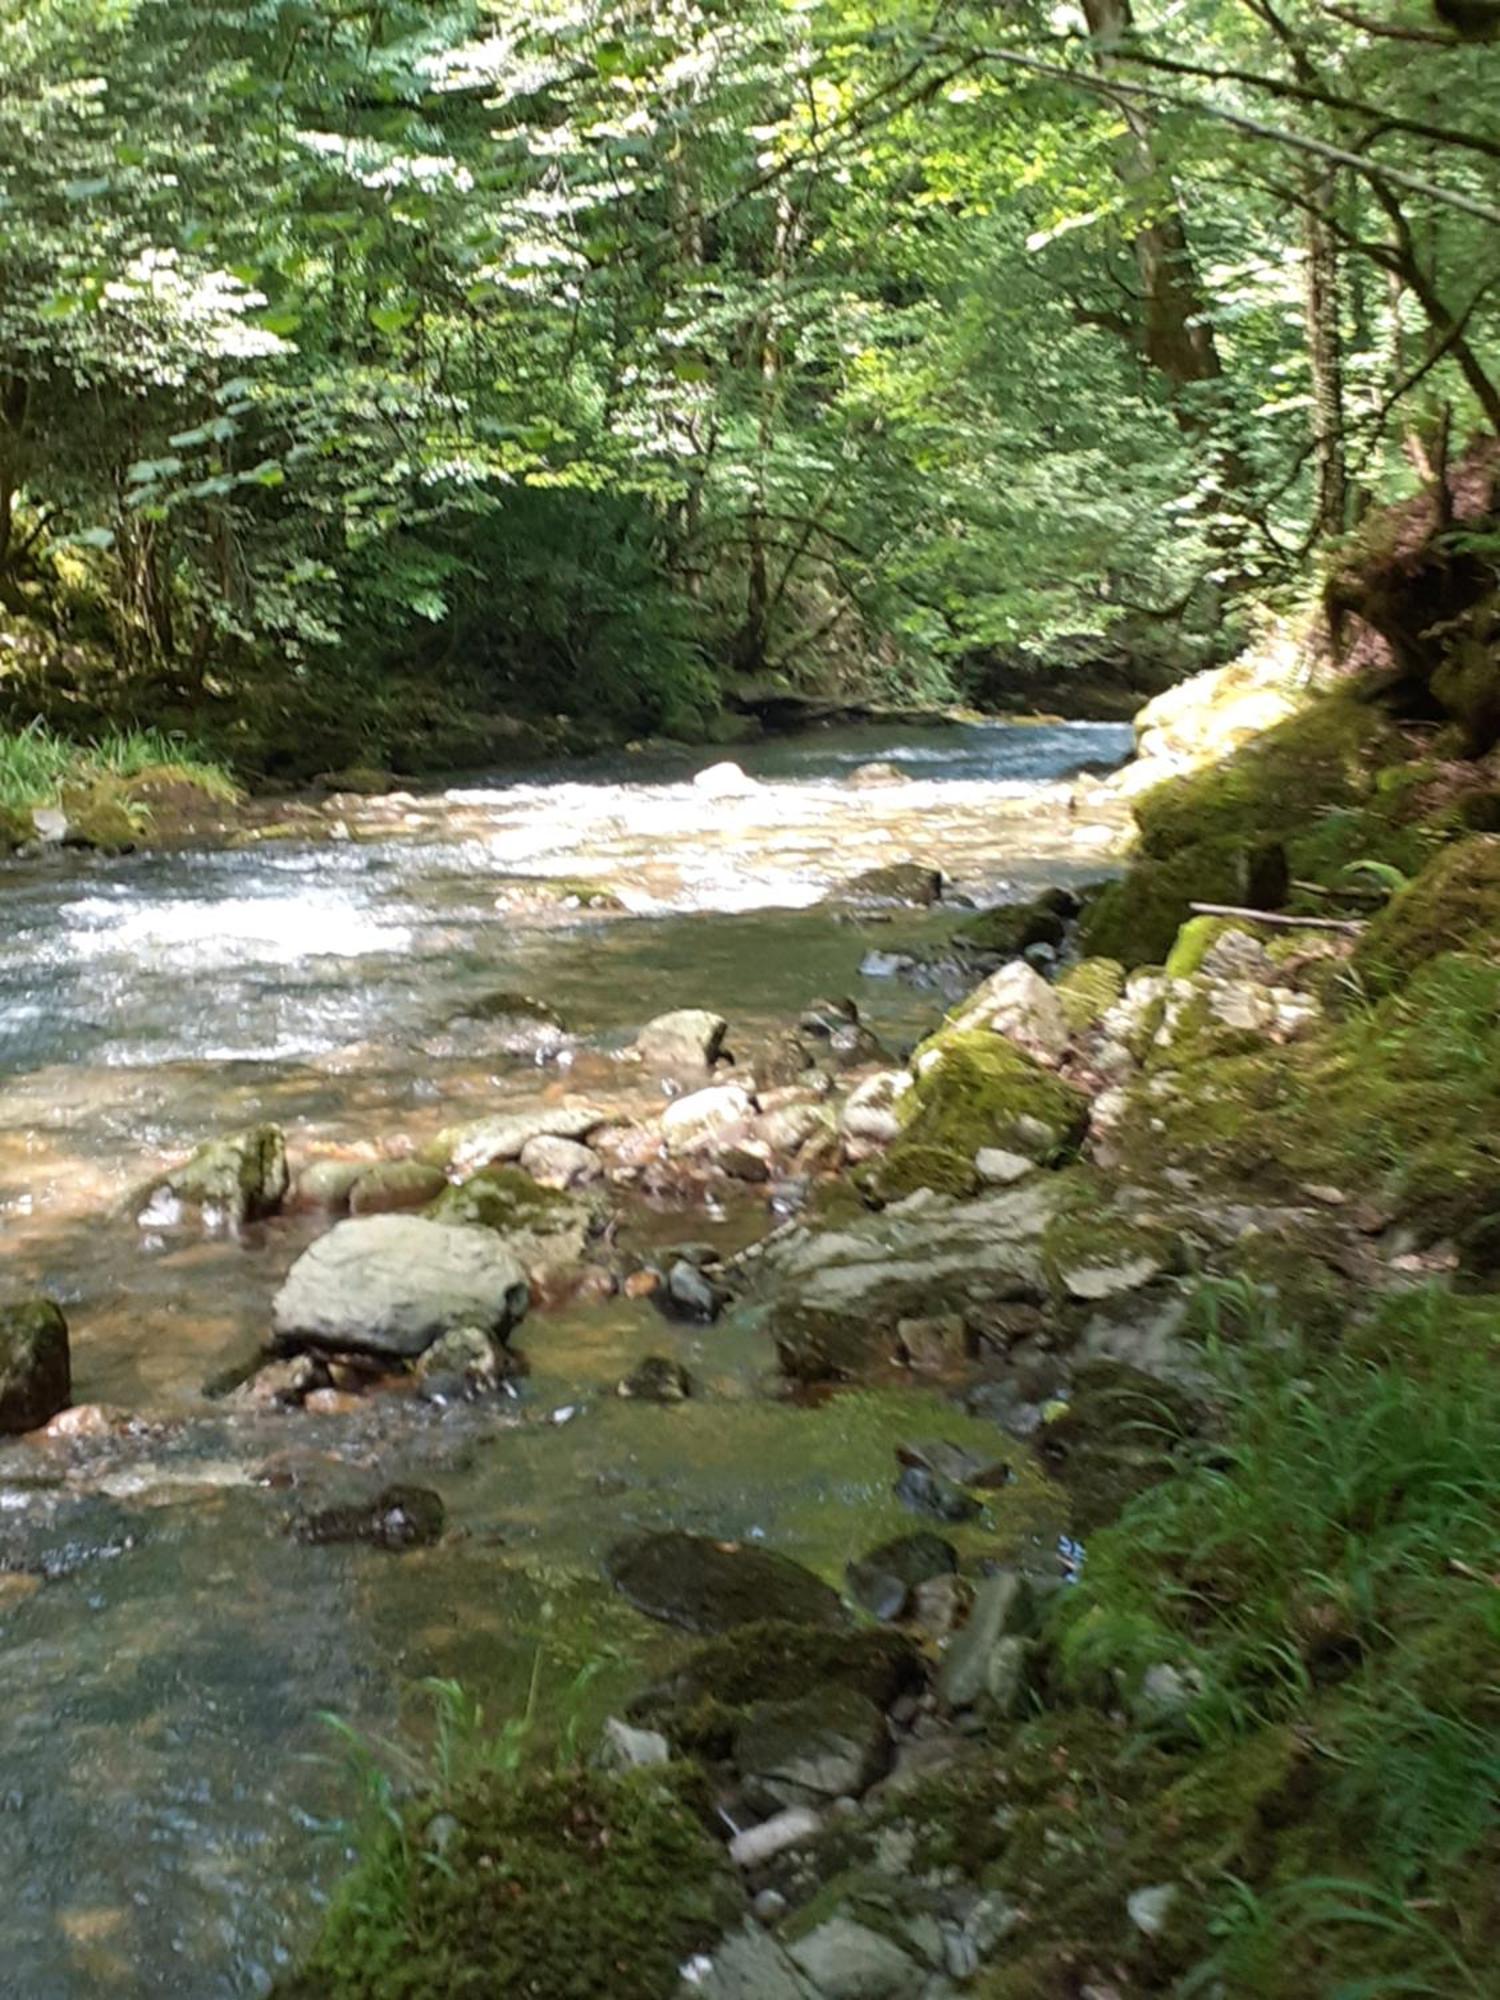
[391, 1285]
[35, 1379]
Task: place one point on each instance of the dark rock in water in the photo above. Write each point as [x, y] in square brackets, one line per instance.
[503, 1023]
[882, 1581]
[35, 1371]
[930, 1493]
[829, 1743]
[1012, 928]
[708, 1586]
[658, 1379]
[689, 1295]
[904, 883]
[464, 1364]
[400, 1518]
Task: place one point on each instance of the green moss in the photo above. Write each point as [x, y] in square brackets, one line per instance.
[1088, 990]
[506, 1199]
[1324, 758]
[1330, 786]
[1452, 906]
[566, 1886]
[1194, 942]
[975, 1089]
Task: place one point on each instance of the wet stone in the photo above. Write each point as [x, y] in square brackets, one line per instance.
[689, 1295]
[466, 1363]
[395, 1185]
[708, 1586]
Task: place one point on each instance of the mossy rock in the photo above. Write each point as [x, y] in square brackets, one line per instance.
[242, 1177]
[1013, 928]
[1452, 906]
[35, 1372]
[701, 1705]
[1088, 990]
[99, 818]
[1330, 786]
[536, 1221]
[1193, 943]
[1135, 921]
[974, 1090]
[566, 1885]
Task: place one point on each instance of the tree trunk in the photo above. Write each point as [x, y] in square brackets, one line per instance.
[1325, 351]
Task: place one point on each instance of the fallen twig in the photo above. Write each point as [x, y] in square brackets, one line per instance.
[1279, 919]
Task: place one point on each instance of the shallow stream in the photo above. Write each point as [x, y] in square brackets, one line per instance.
[166, 1650]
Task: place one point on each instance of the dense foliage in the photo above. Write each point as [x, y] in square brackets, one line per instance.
[361, 363]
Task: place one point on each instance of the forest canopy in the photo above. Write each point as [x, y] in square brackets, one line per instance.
[366, 361]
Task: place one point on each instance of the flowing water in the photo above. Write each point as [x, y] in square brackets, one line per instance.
[165, 1647]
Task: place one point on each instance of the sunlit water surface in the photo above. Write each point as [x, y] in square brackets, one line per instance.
[165, 1648]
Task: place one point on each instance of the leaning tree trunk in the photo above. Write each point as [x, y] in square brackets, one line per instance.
[1176, 336]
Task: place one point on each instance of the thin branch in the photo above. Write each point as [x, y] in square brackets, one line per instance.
[1379, 175]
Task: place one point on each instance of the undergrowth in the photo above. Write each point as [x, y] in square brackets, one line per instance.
[37, 762]
[1327, 1578]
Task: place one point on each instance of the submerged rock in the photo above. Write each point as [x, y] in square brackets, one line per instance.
[708, 1586]
[504, 1023]
[657, 1379]
[902, 884]
[399, 1518]
[391, 1285]
[234, 1180]
[35, 1369]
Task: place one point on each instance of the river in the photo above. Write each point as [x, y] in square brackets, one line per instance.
[166, 1649]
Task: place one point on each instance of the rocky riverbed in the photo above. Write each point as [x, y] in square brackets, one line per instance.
[708, 1334]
